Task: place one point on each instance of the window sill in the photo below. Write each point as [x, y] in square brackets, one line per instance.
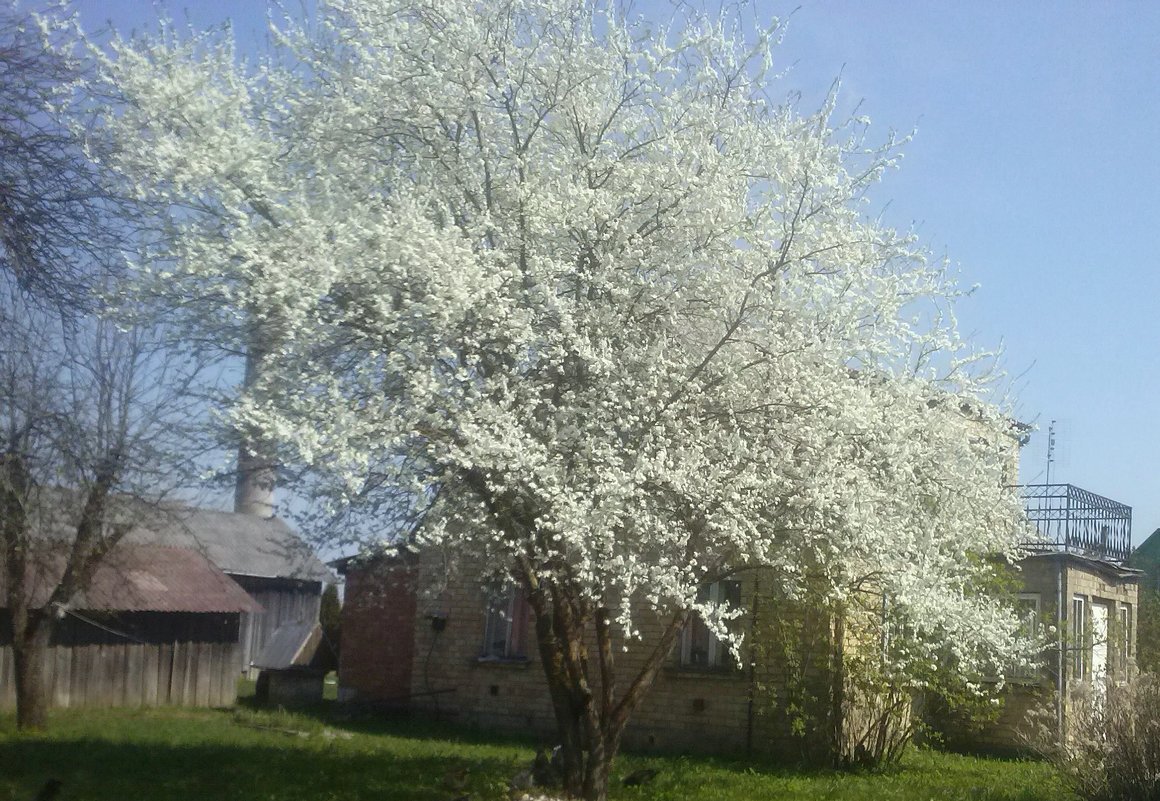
[710, 673]
[1022, 682]
[512, 663]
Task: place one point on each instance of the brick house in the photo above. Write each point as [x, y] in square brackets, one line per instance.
[463, 656]
[1078, 591]
[469, 658]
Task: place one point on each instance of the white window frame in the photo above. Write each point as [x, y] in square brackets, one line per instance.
[1079, 640]
[718, 656]
[500, 625]
[1029, 618]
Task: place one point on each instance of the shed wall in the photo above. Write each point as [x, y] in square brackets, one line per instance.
[133, 674]
[283, 601]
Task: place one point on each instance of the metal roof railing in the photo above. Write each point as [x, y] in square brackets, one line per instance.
[1073, 520]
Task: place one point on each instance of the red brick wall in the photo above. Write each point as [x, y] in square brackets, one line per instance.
[378, 633]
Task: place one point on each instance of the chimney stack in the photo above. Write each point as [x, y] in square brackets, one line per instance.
[254, 491]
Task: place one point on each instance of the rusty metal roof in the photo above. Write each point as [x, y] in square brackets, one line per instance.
[145, 578]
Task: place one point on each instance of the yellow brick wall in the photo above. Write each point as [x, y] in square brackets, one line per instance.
[687, 709]
[684, 710]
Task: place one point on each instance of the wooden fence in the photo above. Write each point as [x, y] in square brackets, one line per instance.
[133, 674]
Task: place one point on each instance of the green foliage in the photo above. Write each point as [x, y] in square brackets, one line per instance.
[1148, 630]
[791, 644]
[1113, 749]
[840, 680]
[182, 755]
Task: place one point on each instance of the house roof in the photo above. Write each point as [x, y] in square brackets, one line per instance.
[1113, 570]
[145, 578]
[292, 645]
[393, 554]
[237, 543]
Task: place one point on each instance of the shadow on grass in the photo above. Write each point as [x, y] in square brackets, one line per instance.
[257, 754]
[371, 721]
[103, 771]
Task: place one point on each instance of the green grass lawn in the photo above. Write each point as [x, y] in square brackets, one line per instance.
[178, 754]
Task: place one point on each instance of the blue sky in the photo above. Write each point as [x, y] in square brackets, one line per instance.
[1035, 169]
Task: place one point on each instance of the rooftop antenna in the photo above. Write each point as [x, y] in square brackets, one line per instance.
[1050, 449]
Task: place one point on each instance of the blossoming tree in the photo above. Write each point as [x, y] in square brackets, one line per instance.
[579, 293]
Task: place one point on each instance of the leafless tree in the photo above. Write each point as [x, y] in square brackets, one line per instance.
[95, 437]
[96, 409]
[54, 209]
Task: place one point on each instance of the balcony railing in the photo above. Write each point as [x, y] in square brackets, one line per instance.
[1073, 520]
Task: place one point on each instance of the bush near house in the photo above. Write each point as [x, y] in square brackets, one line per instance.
[1148, 629]
[180, 754]
[1114, 751]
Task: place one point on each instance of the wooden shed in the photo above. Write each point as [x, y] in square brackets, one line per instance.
[293, 665]
[156, 626]
[263, 555]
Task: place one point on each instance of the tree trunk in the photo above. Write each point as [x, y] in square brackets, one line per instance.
[29, 653]
[596, 776]
[838, 690]
[589, 727]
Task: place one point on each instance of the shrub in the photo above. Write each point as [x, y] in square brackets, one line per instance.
[1112, 752]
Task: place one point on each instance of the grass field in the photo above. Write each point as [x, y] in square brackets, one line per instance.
[180, 754]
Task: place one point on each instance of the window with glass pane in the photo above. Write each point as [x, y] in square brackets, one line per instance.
[1027, 607]
[700, 647]
[505, 631]
[1079, 643]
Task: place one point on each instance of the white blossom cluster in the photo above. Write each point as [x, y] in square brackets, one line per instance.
[602, 306]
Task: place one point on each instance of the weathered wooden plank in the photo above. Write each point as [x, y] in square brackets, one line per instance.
[215, 674]
[169, 673]
[134, 680]
[97, 686]
[62, 677]
[183, 654]
[150, 657]
[48, 666]
[130, 691]
[7, 678]
[228, 692]
[82, 671]
[176, 675]
[204, 672]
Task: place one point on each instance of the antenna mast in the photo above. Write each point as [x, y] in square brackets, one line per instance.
[1050, 449]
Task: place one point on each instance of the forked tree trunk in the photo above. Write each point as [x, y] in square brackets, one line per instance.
[590, 715]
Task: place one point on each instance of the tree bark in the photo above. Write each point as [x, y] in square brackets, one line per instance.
[29, 652]
[589, 727]
[838, 689]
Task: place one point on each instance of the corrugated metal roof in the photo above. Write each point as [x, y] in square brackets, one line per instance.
[291, 645]
[237, 543]
[146, 578]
